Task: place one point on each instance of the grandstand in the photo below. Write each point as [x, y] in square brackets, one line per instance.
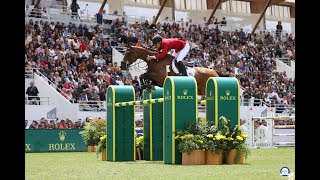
[73, 57]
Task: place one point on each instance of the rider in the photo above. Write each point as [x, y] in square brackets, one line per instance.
[180, 46]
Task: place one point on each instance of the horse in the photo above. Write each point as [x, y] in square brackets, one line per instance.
[157, 70]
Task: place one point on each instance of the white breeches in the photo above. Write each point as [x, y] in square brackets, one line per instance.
[181, 54]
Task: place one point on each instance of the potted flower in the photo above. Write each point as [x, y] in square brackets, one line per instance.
[216, 146]
[191, 145]
[242, 149]
[229, 132]
[102, 146]
[100, 125]
[89, 136]
[140, 147]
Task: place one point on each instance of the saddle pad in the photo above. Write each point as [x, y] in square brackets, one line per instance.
[191, 71]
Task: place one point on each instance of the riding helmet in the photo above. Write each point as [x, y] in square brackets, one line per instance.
[156, 39]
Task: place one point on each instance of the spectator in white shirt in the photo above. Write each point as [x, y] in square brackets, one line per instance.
[96, 59]
[99, 72]
[119, 81]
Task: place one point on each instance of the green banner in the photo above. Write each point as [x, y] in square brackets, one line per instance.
[54, 140]
[223, 99]
[228, 99]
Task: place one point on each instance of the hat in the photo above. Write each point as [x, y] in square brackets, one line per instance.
[99, 68]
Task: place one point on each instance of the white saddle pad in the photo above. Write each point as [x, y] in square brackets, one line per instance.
[191, 71]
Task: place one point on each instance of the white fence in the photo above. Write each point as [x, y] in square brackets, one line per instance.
[269, 135]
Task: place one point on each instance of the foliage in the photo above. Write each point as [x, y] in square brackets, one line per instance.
[102, 144]
[93, 130]
[100, 125]
[244, 149]
[216, 142]
[140, 142]
[89, 134]
[192, 138]
[241, 145]
[235, 137]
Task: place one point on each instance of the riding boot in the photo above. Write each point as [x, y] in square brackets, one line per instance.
[182, 68]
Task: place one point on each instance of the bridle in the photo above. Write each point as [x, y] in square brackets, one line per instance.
[136, 65]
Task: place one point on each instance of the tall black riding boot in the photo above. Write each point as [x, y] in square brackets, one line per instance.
[182, 68]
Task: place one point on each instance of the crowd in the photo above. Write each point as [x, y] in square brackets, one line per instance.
[78, 59]
[44, 123]
[55, 124]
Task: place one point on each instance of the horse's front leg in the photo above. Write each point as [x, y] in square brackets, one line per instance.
[149, 80]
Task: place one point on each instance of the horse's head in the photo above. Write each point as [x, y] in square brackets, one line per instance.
[133, 53]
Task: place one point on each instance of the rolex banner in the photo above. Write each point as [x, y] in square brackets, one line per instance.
[54, 140]
[223, 99]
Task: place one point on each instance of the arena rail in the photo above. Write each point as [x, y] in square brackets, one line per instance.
[264, 136]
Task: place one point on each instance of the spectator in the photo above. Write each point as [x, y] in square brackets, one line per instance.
[279, 30]
[223, 22]
[74, 9]
[33, 92]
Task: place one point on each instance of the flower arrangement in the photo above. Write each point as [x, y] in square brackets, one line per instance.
[192, 138]
[235, 138]
[102, 144]
[89, 134]
[216, 142]
[241, 145]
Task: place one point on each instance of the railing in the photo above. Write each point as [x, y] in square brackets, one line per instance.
[244, 102]
[54, 86]
[287, 61]
[92, 105]
[60, 13]
[251, 102]
[36, 100]
[284, 109]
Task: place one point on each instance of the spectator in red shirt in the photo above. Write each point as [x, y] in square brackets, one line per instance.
[180, 46]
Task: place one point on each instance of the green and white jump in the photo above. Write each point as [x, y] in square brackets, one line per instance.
[166, 110]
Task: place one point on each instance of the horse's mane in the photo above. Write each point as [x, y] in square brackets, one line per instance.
[149, 50]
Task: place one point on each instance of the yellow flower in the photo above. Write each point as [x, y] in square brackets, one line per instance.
[189, 135]
[230, 139]
[210, 135]
[244, 135]
[200, 141]
[177, 137]
[182, 137]
[103, 137]
[239, 138]
[219, 137]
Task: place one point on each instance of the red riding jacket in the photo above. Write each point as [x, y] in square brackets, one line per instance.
[168, 44]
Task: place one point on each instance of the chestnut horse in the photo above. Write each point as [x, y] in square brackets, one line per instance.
[157, 71]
